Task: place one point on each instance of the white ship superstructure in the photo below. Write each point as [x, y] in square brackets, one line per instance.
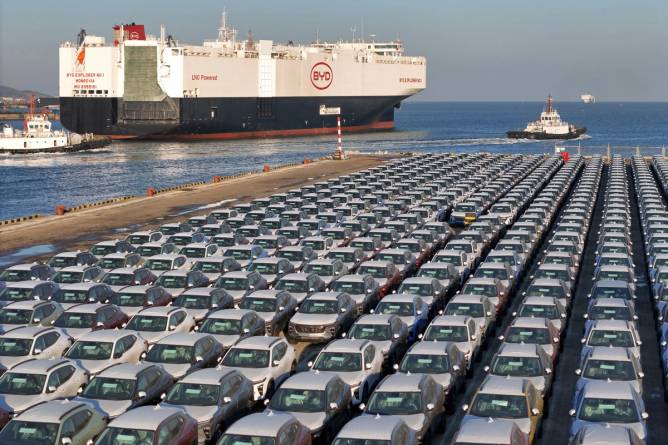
[548, 126]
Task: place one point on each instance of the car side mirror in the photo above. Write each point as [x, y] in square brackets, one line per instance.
[578, 371]
[641, 375]
[644, 416]
[368, 366]
[51, 389]
[37, 351]
[275, 363]
[548, 371]
[227, 399]
[66, 440]
[361, 406]
[311, 289]
[99, 324]
[395, 336]
[465, 407]
[430, 406]
[571, 412]
[343, 310]
[246, 330]
[474, 337]
[199, 359]
[333, 406]
[310, 364]
[535, 411]
[163, 396]
[141, 395]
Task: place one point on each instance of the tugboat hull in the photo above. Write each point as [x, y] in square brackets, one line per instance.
[543, 135]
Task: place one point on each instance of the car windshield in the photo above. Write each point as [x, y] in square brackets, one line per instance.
[517, 366]
[487, 272]
[129, 299]
[108, 388]
[423, 290]
[125, 436]
[551, 259]
[351, 441]
[440, 273]
[413, 247]
[21, 432]
[67, 277]
[465, 208]
[100, 251]
[545, 291]
[346, 257]
[298, 286]
[609, 369]
[119, 279]
[247, 358]
[374, 271]
[446, 333]
[487, 290]
[71, 296]
[112, 263]
[249, 231]
[455, 260]
[519, 334]
[291, 255]
[239, 254]
[377, 332]
[243, 439]
[393, 403]
[364, 245]
[165, 353]
[18, 383]
[90, 350]
[338, 361]
[396, 308]
[75, 320]
[312, 306]
[15, 316]
[225, 240]
[298, 400]
[611, 292]
[230, 283]
[315, 245]
[172, 281]
[266, 243]
[146, 251]
[15, 347]
[193, 394]
[349, 287]
[189, 301]
[472, 309]
[258, 304]
[600, 337]
[499, 405]
[148, 323]
[62, 261]
[610, 313]
[264, 268]
[209, 266]
[319, 269]
[220, 326]
[608, 410]
[155, 264]
[425, 363]
[137, 239]
[15, 275]
[180, 240]
[539, 310]
[193, 252]
[552, 274]
[398, 259]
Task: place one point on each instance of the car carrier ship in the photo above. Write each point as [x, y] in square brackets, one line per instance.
[141, 86]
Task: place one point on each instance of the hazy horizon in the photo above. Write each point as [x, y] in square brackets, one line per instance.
[483, 51]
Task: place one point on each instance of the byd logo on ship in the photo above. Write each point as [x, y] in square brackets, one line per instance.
[321, 75]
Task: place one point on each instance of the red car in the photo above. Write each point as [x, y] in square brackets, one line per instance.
[155, 425]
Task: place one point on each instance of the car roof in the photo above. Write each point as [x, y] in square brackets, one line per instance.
[296, 276]
[612, 283]
[518, 349]
[401, 382]
[540, 301]
[207, 375]
[176, 273]
[613, 325]
[128, 270]
[315, 380]
[327, 295]
[86, 308]
[483, 430]
[370, 427]
[28, 284]
[159, 310]
[352, 278]
[35, 366]
[258, 342]
[200, 291]
[125, 370]
[449, 320]
[79, 286]
[26, 304]
[117, 255]
[430, 347]
[106, 335]
[26, 331]
[468, 298]
[266, 423]
[530, 322]
[346, 345]
[609, 353]
[24, 266]
[419, 280]
[165, 256]
[494, 384]
[375, 319]
[181, 338]
[610, 302]
[51, 411]
[232, 314]
[136, 289]
[605, 389]
[266, 293]
[547, 282]
[144, 417]
[400, 298]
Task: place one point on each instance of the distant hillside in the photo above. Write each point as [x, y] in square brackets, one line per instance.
[6, 91]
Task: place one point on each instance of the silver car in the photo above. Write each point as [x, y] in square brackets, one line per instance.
[199, 302]
[357, 362]
[181, 354]
[80, 293]
[155, 323]
[389, 430]
[40, 380]
[55, 422]
[213, 397]
[489, 431]
[415, 398]
[34, 342]
[329, 270]
[159, 264]
[28, 313]
[215, 266]
[241, 283]
[228, 326]
[100, 349]
[363, 289]
[124, 386]
[523, 360]
[265, 361]
[461, 330]
[386, 332]
[610, 363]
[272, 268]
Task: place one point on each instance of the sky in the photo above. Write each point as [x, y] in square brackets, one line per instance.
[477, 50]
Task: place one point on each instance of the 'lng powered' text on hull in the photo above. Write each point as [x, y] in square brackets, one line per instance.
[145, 86]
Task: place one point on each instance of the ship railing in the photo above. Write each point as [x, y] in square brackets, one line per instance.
[609, 150]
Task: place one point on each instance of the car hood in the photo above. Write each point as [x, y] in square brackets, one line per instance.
[199, 413]
[255, 375]
[197, 314]
[212, 276]
[130, 310]
[352, 378]
[444, 379]
[175, 291]
[299, 296]
[414, 421]
[314, 319]
[637, 427]
[113, 408]
[6, 327]
[9, 361]
[267, 316]
[382, 345]
[236, 294]
[153, 337]
[19, 403]
[226, 340]
[93, 366]
[271, 278]
[314, 421]
[75, 333]
[524, 424]
[177, 370]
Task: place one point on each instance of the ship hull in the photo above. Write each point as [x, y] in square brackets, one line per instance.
[225, 118]
[545, 136]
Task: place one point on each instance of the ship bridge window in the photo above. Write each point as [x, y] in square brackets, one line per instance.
[214, 112]
[98, 92]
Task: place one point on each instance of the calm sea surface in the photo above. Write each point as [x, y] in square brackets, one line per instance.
[36, 183]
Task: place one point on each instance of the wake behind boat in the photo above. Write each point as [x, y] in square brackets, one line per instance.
[549, 126]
